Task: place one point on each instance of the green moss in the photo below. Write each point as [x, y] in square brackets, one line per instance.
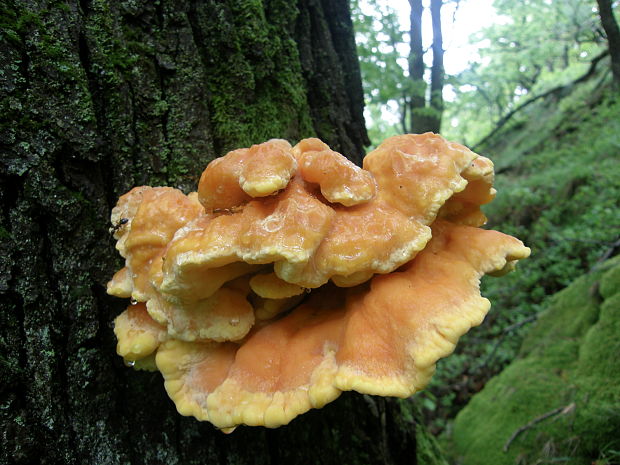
[580, 310]
[4, 234]
[610, 283]
[249, 103]
[408, 419]
[570, 358]
[559, 192]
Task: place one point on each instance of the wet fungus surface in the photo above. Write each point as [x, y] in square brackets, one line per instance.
[293, 275]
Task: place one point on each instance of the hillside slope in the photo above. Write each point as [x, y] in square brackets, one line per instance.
[559, 401]
[558, 183]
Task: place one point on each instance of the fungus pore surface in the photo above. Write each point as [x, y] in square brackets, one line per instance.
[293, 275]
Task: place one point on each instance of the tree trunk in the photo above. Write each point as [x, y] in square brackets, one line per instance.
[610, 25]
[417, 102]
[437, 69]
[425, 112]
[97, 97]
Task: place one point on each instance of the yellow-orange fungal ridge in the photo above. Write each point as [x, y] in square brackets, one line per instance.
[293, 275]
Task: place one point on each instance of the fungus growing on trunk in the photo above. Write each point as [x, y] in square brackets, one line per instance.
[300, 275]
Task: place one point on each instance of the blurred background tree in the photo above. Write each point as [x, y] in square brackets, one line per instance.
[393, 63]
[610, 25]
[425, 107]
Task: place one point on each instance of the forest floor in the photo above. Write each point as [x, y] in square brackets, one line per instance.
[558, 182]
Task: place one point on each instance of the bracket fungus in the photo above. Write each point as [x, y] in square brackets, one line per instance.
[293, 275]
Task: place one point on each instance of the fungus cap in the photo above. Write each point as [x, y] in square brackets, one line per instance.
[339, 179]
[147, 218]
[138, 334]
[383, 338]
[242, 174]
[328, 220]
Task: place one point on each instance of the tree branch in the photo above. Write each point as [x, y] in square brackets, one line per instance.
[610, 252]
[612, 31]
[502, 122]
[560, 410]
[505, 331]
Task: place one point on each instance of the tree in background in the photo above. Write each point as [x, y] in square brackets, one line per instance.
[96, 97]
[537, 45]
[394, 72]
[610, 25]
[380, 44]
[425, 107]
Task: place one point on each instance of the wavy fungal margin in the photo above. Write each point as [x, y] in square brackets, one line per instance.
[293, 275]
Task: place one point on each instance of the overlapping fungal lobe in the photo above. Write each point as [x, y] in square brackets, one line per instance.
[244, 174]
[300, 275]
[138, 336]
[346, 227]
[464, 206]
[144, 222]
[148, 219]
[381, 338]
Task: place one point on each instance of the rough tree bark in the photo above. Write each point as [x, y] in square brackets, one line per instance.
[98, 96]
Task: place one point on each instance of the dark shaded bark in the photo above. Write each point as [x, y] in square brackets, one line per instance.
[97, 97]
[437, 69]
[425, 111]
[612, 31]
[417, 101]
[330, 66]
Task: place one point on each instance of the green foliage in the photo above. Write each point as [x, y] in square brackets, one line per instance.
[380, 43]
[567, 361]
[537, 45]
[561, 198]
[559, 193]
[382, 48]
[379, 129]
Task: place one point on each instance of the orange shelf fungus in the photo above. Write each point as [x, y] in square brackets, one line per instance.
[293, 275]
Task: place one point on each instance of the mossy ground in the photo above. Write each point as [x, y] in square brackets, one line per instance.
[570, 358]
[558, 186]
